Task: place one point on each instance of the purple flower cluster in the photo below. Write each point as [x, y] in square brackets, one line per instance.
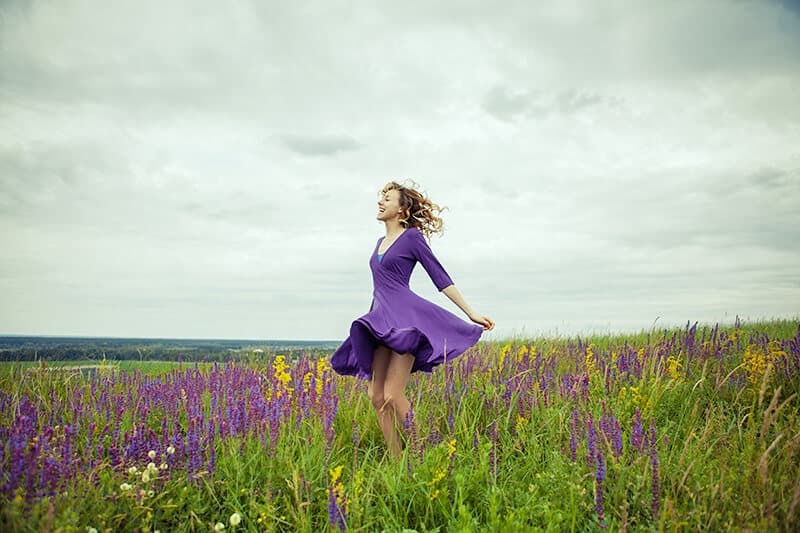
[114, 421]
[653, 453]
[599, 476]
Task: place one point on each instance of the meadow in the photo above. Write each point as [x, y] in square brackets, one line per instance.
[694, 428]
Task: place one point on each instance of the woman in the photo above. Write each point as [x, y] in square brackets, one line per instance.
[402, 332]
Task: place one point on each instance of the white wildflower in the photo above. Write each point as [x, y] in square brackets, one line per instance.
[219, 526]
[125, 487]
[133, 470]
[170, 450]
[163, 466]
[151, 454]
[145, 476]
[235, 519]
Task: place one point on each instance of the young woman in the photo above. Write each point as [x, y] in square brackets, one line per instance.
[402, 332]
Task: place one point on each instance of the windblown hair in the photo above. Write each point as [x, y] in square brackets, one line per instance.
[418, 211]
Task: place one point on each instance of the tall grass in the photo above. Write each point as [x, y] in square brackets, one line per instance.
[683, 429]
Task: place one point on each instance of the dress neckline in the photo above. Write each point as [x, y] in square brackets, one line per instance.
[393, 242]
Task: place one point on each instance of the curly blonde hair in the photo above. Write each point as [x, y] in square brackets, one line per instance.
[418, 210]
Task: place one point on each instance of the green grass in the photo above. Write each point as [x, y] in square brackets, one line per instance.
[729, 461]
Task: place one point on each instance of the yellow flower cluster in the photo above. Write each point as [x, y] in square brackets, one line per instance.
[279, 367]
[336, 473]
[336, 484]
[674, 367]
[756, 361]
[323, 373]
[503, 354]
[522, 351]
[433, 483]
[521, 421]
[590, 360]
[637, 399]
[451, 449]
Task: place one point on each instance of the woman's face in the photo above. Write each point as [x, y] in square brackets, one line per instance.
[389, 205]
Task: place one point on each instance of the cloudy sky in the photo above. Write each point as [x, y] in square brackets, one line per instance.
[210, 169]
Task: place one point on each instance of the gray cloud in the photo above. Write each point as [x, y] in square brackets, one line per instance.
[320, 145]
[508, 105]
[216, 174]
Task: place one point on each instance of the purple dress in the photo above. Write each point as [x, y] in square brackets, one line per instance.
[400, 319]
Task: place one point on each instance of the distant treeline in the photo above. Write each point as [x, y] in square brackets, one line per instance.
[82, 348]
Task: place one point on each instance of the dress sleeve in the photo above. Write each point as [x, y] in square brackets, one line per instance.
[423, 253]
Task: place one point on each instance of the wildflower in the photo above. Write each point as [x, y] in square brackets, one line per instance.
[151, 467]
[637, 432]
[170, 450]
[151, 454]
[163, 466]
[451, 449]
[146, 476]
[235, 519]
[125, 487]
[756, 362]
[133, 470]
[219, 526]
[653, 452]
[151, 493]
[600, 476]
[591, 440]
[590, 360]
[521, 420]
[337, 504]
[573, 436]
[674, 367]
[503, 354]
[91, 529]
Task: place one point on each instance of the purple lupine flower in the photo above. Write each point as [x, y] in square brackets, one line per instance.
[616, 437]
[573, 436]
[410, 427]
[451, 419]
[653, 452]
[591, 437]
[637, 432]
[599, 476]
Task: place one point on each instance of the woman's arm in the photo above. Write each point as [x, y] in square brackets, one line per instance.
[457, 299]
[455, 296]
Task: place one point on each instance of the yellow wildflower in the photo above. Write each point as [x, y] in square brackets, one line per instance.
[755, 362]
[521, 421]
[521, 353]
[590, 361]
[674, 367]
[503, 354]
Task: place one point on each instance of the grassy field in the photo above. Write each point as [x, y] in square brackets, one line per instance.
[680, 430]
[8, 369]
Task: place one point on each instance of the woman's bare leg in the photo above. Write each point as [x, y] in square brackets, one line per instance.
[376, 391]
[397, 375]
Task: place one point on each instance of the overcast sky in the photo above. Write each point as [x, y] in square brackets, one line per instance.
[211, 169]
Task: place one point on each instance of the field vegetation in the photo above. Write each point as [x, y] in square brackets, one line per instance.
[695, 428]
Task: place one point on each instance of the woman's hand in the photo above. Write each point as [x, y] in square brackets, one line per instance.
[484, 321]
